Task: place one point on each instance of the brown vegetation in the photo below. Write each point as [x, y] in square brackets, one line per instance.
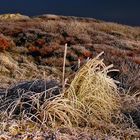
[93, 105]
[43, 38]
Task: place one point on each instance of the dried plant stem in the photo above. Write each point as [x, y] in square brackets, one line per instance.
[64, 64]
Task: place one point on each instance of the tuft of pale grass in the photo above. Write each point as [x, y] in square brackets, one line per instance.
[95, 90]
[59, 112]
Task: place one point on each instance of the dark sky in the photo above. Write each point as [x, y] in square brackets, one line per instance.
[121, 11]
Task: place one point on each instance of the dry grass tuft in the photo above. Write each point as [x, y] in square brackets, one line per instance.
[95, 91]
[59, 112]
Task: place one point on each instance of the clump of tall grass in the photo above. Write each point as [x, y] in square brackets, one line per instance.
[95, 91]
[91, 97]
[59, 112]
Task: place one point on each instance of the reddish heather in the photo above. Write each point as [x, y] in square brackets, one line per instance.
[5, 43]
